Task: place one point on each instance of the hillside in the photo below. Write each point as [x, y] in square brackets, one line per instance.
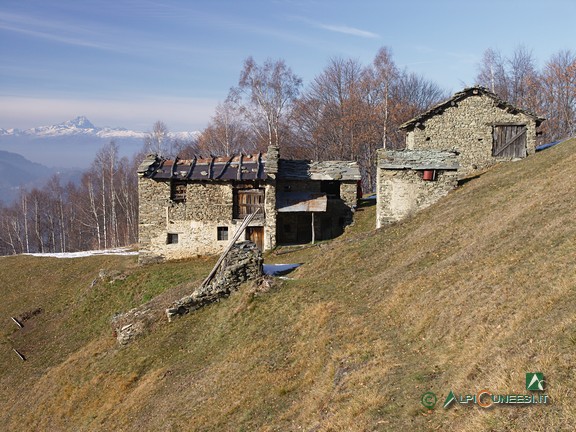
[469, 294]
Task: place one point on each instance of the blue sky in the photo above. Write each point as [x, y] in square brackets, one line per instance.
[131, 62]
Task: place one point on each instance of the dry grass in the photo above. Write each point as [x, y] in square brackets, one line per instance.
[472, 293]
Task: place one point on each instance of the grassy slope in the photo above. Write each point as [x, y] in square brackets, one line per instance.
[469, 294]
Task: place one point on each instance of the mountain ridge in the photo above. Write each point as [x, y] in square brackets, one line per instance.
[74, 143]
[82, 125]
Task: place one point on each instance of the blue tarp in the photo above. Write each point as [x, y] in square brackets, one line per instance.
[545, 146]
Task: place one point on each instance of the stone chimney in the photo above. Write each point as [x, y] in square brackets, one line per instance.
[272, 157]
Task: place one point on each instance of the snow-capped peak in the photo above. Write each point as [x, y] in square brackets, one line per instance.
[80, 122]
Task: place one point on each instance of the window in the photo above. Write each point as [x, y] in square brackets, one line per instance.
[222, 233]
[172, 238]
[178, 191]
[247, 201]
[331, 188]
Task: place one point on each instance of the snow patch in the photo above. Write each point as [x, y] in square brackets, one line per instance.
[119, 251]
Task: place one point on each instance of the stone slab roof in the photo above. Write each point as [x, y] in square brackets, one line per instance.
[467, 92]
[238, 167]
[418, 160]
[326, 170]
[246, 167]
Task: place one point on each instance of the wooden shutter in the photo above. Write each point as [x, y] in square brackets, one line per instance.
[247, 201]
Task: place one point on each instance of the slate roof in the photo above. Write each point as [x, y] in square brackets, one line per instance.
[326, 170]
[238, 167]
[245, 167]
[418, 160]
[467, 92]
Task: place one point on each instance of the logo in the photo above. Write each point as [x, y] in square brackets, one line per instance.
[428, 399]
[487, 399]
[534, 381]
[449, 399]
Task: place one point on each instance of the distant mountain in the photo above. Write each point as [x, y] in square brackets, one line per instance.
[74, 143]
[18, 172]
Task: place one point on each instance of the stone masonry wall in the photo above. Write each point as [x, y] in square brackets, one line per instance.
[243, 263]
[208, 207]
[349, 193]
[467, 128]
[403, 192]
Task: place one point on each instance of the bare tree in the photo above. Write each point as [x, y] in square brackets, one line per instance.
[158, 141]
[226, 133]
[559, 81]
[492, 73]
[384, 76]
[513, 79]
[263, 95]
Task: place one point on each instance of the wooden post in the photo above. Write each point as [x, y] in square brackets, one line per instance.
[313, 233]
[18, 323]
[19, 355]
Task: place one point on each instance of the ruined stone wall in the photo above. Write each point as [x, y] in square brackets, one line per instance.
[154, 199]
[243, 263]
[403, 192]
[467, 128]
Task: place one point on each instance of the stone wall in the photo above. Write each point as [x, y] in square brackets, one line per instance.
[243, 263]
[174, 230]
[403, 192]
[467, 128]
[349, 193]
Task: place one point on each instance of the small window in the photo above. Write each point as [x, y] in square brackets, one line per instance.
[178, 191]
[222, 233]
[172, 238]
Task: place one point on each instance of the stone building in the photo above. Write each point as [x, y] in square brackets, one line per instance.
[410, 180]
[471, 131]
[479, 126]
[193, 207]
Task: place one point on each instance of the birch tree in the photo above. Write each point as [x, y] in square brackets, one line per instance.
[263, 96]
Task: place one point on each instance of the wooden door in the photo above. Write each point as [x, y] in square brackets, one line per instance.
[509, 141]
[256, 235]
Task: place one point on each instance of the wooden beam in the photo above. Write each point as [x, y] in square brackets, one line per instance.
[236, 236]
[239, 172]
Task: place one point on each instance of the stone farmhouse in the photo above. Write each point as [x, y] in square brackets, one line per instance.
[193, 207]
[478, 125]
[457, 138]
